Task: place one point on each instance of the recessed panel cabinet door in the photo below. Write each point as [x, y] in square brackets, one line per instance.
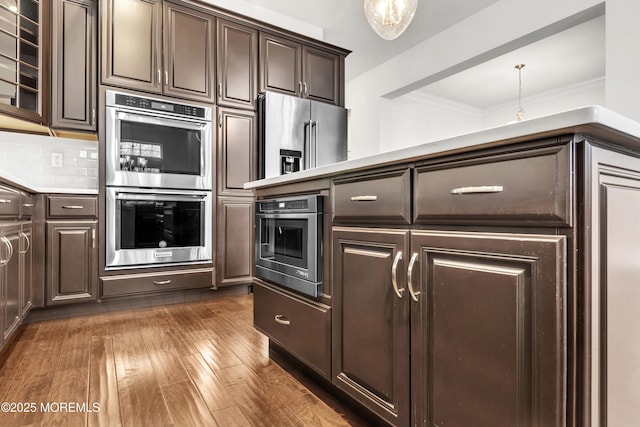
[280, 61]
[488, 329]
[130, 44]
[74, 50]
[321, 71]
[237, 65]
[188, 53]
[370, 320]
[26, 269]
[235, 254]
[237, 144]
[10, 281]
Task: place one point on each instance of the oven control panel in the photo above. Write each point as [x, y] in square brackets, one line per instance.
[311, 204]
[156, 105]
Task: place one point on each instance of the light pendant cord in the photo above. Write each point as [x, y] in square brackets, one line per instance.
[520, 113]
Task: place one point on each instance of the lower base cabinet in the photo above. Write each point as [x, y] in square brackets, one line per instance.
[438, 328]
[235, 250]
[10, 305]
[72, 262]
[300, 326]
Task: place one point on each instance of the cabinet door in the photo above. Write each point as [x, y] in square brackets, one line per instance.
[10, 272]
[488, 330]
[370, 321]
[237, 65]
[73, 85]
[72, 274]
[321, 75]
[188, 53]
[130, 44]
[236, 150]
[235, 241]
[26, 268]
[280, 65]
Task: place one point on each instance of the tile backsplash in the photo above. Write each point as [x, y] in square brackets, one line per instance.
[50, 162]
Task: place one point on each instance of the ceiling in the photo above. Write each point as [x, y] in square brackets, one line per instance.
[569, 57]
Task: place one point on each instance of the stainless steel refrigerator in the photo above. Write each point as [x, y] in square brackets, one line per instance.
[298, 134]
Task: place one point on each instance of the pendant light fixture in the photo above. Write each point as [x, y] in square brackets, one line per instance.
[389, 18]
[520, 112]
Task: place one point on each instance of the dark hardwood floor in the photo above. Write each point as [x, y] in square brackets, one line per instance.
[193, 364]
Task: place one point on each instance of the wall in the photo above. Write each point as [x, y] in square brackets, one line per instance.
[27, 159]
[503, 26]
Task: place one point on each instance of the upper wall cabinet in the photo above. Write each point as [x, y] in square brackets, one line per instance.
[73, 64]
[132, 48]
[21, 58]
[237, 65]
[292, 68]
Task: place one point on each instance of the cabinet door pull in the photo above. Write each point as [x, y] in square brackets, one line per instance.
[166, 78]
[220, 90]
[3, 201]
[220, 120]
[279, 318]
[72, 207]
[305, 92]
[364, 198]
[93, 238]
[478, 189]
[300, 88]
[161, 282]
[394, 275]
[28, 242]
[93, 117]
[159, 76]
[9, 251]
[414, 294]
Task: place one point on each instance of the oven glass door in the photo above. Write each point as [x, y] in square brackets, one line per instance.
[160, 224]
[284, 240]
[151, 150]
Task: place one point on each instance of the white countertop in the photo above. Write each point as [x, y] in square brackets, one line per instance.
[593, 120]
[31, 188]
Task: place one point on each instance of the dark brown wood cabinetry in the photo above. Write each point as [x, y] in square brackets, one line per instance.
[235, 240]
[136, 56]
[26, 271]
[74, 58]
[237, 65]
[237, 145]
[371, 320]
[292, 68]
[10, 280]
[71, 250]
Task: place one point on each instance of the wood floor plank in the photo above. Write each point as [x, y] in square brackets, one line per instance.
[231, 417]
[213, 392]
[186, 405]
[76, 346]
[103, 386]
[70, 387]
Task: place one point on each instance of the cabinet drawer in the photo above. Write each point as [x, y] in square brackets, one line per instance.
[26, 204]
[302, 328]
[73, 206]
[132, 284]
[9, 203]
[516, 188]
[382, 198]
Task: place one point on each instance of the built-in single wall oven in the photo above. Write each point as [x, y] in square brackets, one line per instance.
[289, 243]
[158, 201]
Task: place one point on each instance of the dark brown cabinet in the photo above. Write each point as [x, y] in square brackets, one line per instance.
[237, 145]
[71, 268]
[235, 241]
[370, 322]
[21, 66]
[136, 56]
[73, 64]
[487, 325]
[72, 256]
[292, 68]
[10, 275]
[237, 65]
[26, 270]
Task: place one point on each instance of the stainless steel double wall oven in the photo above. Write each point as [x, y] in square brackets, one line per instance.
[159, 181]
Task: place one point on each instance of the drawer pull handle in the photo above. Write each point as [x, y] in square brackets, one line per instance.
[162, 282]
[414, 294]
[394, 275]
[364, 198]
[72, 207]
[279, 318]
[478, 189]
[27, 205]
[5, 201]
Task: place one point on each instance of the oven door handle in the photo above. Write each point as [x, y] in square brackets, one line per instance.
[161, 197]
[161, 120]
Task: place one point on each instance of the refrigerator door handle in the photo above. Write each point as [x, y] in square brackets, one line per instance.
[315, 145]
[306, 149]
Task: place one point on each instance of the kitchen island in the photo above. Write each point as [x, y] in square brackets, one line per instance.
[490, 276]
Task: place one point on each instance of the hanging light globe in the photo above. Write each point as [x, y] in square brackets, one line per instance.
[389, 18]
